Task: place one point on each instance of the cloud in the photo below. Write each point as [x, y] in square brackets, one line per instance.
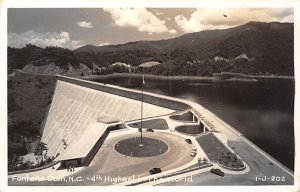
[61, 39]
[104, 44]
[139, 18]
[84, 24]
[172, 31]
[203, 19]
[158, 13]
[186, 25]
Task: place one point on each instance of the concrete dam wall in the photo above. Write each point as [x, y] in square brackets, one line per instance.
[77, 104]
[160, 100]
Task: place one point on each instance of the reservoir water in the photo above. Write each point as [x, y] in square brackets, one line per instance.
[262, 111]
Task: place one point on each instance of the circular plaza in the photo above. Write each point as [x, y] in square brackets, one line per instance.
[137, 147]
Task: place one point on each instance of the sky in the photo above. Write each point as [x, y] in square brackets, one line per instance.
[75, 27]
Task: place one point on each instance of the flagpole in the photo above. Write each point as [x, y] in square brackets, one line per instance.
[169, 69]
[141, 144]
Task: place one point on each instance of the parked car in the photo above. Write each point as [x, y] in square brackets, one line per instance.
[217, 172]
[150, 130]
[155, 170]
[193, 153]
[188, 141]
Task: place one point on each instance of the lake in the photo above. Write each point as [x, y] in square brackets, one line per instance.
[262, 111]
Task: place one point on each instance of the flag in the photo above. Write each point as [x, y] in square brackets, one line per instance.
[144, 80]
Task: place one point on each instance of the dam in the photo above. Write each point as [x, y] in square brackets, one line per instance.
[88, 123]
[77, 113]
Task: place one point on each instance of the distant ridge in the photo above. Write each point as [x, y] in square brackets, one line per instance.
[198, 41]
[269, 48]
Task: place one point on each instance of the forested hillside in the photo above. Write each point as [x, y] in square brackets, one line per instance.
[253, 48]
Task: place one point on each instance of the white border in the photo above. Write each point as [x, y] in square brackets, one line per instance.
[139, 3]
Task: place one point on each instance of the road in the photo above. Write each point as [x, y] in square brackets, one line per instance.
[259, 168]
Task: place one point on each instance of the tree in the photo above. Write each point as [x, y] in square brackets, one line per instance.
[14, 161]
[41, 148]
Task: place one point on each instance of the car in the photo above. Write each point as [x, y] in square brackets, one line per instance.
[150, 130]
[193, 153]
[140, 130]
[155, 170]
[194, 148]
[217, 172]
[188, 141]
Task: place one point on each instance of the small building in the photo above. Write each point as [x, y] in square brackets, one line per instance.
[81, 152]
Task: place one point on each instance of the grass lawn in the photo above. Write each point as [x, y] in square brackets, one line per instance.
[188, 116]
[211, 146]
[160, 124]
[217, 152]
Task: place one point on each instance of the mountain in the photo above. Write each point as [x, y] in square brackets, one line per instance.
[252, 48]
[250, 38]
[269, 45]
[138, 45]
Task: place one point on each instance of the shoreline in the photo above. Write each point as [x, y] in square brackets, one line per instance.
[212, 79]
[249, 78]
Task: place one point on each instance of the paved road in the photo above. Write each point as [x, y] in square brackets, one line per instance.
[259, 168]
